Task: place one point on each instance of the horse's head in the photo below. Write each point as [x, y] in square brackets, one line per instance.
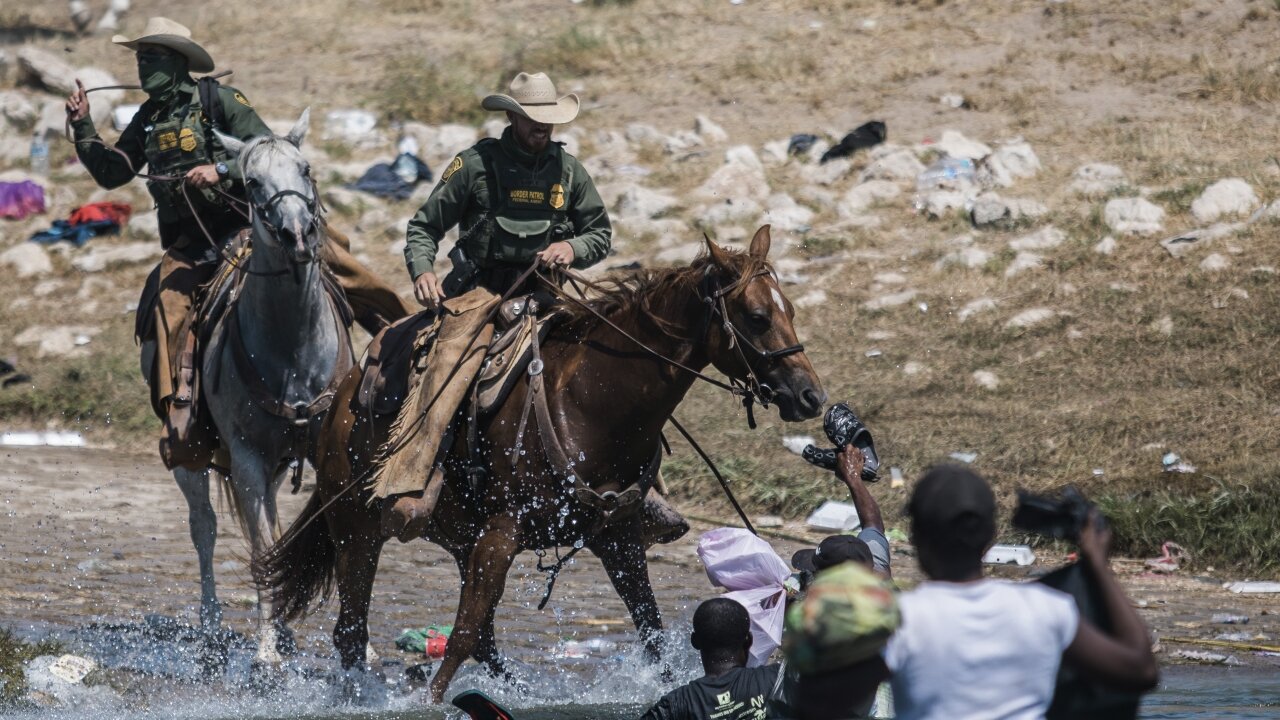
[751, 336]
[283, 198]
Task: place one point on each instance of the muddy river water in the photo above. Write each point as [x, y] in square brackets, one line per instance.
[94, 551]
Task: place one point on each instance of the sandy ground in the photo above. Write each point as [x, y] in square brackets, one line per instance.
[94, 534]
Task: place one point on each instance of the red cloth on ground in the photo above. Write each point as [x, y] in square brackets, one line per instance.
[117, 213]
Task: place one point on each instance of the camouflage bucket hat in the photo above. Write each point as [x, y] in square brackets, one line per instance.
[846, 617]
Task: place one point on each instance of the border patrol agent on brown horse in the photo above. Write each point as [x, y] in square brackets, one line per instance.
[198, 191]
[515, 199]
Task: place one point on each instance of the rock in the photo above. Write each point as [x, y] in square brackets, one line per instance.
[102, 102]
[99, 257]
[889, 278]
[1022, 262]
[986, 379]
[680, 254]
[1214, 262]
[968, 257]
[991, 209]
[1046, 238]
[1180, 245]
[1096, 179]
[644, 134]
[1133, 216]
[353, 127]
[956, 145]
[494, 127]
[911, 367]
[827, 173]
[937, 203]
[785, 214]
[727, 212]
[59, 681]
[741, 176]
[952, 100]
[638, 201]
[863, 196]
[775, 151]
[146, 225]
[17, 109]
[813, 298]
[345, 200]
[27, 259]
[58, 341]
[450, 139]
[1105, 246]
[709, 131]
[1030, 318]
[888, 301]
[47, 71]
[1231, 196]
[1017, 158]
[900, 166]
[973, 307]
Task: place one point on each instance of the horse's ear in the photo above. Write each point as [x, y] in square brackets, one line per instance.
[299, 130]
[760, 244]
[719, 257]
[232, 145]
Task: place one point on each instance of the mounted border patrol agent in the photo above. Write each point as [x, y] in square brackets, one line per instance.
[199, 196]
[515, 199]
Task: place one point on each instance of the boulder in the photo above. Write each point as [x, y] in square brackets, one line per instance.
[18, 110]
[828, 173]
[1045, 238]
[937, 203]
[1214, 262]
[47, 71]
[728, 212]
[1133, 216]
[989, 209]
[967, 257]
[1229, 197]
[1030, 318]
[1022, 262]
[58, 681]
[709, 131]
[973, 307]
[900, 166]
[775, 151]
[1105, 246]
[786, 214]
[351, 126]
[892, 300]
[57, 341]
[644, 134]
[956, 145]
[99, 257]
[863, 196]
[145, 225]
[741, 176]
[637, 201]
[27, 259]
[986, 379]
[1017, 158]
[1096, 179]
[813, 298]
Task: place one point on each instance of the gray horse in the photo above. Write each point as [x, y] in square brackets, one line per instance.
[269, 365]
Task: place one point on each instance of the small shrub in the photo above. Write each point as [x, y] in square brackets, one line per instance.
[414, 88]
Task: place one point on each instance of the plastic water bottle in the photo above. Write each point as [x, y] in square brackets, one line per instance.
[948, 172]
[39, 155]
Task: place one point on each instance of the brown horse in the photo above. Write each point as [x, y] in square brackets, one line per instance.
[608, 400]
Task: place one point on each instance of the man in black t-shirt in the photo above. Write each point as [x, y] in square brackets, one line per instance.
[729, 690]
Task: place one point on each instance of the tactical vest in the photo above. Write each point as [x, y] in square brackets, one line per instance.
[174, 146]
[528, 208]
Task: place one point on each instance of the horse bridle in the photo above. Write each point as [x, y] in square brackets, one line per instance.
[260, 212]
[714, 297]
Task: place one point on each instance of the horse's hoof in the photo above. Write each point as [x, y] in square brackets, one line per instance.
[265, 677]
[286, 645]
[214, 652]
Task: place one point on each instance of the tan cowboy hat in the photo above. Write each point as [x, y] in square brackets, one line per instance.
[176, 37]
[534, 96]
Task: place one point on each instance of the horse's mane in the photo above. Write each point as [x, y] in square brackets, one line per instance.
[649, 293]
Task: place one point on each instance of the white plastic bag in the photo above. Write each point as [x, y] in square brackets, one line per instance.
[748, 567]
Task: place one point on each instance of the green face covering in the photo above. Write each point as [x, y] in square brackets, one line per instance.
[160, 77]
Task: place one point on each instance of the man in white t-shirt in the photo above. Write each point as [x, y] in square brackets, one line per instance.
[975, 648]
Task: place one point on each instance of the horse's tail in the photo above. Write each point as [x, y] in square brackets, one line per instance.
[297, 571]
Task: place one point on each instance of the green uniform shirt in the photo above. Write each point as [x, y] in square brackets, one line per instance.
[462, 198]
[111, 171]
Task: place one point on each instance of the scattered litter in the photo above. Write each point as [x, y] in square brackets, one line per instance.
[1255, 586]
[952, 100]
[797, 443]
[1171, 556]
[1173, 463]
[1206, 657]
[924, 307]
[834, 515]
[964, 457]
[396, 179]
[1009, 555]
[1228, 619]
[873, 353]
[87, 221]
[1098, 472]
[866, 135]
[948, 173]
[20, 199]
[430, 640]
[122, 115]
[768, 521]
[895, 478]
[47, 439]
[801, 143]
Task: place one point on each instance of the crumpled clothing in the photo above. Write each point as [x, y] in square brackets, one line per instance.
[20, 199]
[748, 567]
[396, 179]
[87, 221]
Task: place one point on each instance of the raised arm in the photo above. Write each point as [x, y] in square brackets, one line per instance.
[849, 462]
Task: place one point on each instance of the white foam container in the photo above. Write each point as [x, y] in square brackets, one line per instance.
[836, 516]
[1009, 555]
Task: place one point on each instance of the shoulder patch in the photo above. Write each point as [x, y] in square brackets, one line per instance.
[454, 167]
[241, 99]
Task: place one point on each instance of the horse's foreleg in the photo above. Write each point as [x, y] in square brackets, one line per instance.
[355, 568]
[486, 650]
[204, 535]
[482, 586]
[255, 491]
[621, 553]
